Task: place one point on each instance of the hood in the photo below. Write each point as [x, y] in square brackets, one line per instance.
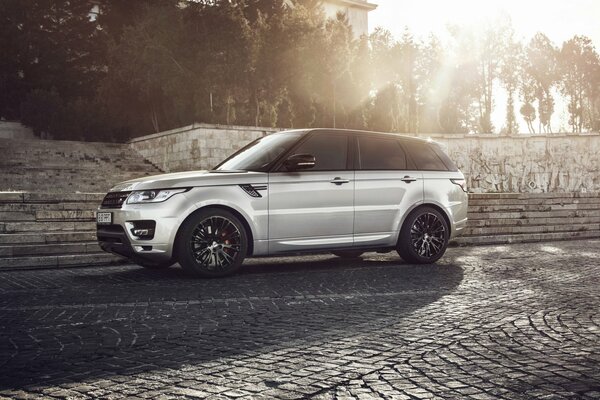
[191, 179]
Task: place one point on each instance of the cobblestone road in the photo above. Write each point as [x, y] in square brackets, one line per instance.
[499, 322]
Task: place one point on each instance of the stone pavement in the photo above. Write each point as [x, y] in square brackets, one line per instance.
[497, 322]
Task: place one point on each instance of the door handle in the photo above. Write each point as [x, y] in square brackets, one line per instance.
[408, 179]
[338, 181]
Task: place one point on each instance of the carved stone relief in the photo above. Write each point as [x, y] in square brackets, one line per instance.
[527, 164]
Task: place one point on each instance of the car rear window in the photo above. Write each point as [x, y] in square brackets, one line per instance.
[424, 156]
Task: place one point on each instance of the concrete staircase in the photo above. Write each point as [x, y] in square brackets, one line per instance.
[59, 166]
[50, 230]
[49, 192]
[500, 218]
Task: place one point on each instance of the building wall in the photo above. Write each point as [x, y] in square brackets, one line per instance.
[491, 163]
[357, 12]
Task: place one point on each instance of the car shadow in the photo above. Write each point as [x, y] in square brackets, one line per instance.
[124, 320]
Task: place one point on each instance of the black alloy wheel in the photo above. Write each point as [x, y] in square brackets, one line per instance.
[424, 236]
[212, 243]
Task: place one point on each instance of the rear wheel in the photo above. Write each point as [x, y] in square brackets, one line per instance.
[348, 253]
[424, 236]
[211, 243]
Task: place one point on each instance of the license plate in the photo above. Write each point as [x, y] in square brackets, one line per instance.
[104, 218]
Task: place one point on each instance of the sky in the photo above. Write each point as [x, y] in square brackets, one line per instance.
[558, 19]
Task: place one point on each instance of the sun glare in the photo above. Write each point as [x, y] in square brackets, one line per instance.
[558, 19]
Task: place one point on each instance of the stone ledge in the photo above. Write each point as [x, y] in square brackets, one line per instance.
[11, 197]
[524, 238]
[198, 125]
[43, 238]
[73, 260]
[527, 196]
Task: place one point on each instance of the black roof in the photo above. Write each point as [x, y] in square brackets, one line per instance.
[357, 132]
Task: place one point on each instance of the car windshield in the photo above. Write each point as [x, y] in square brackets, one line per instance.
[258, 155]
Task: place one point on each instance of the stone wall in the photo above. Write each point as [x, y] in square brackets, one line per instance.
[491, 163]
[14, 130]
[197, 146]
[527, 163]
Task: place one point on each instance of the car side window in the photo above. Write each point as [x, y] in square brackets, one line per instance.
[424, 157]
[330, 151]
[380, 154]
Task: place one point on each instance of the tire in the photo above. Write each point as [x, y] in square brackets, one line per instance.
[348, 253]
[154, 265]
[424, 236]
[211, 243]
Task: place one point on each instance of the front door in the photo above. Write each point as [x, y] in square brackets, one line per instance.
[312, 209]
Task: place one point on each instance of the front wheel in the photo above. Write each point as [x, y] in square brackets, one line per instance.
[424, 236]
[211, 243]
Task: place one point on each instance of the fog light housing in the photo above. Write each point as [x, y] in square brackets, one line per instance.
[142, 230]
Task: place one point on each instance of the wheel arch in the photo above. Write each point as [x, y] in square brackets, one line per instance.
[232, 210]
[435, 206]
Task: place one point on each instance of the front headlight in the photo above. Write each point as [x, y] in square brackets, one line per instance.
[152, 196]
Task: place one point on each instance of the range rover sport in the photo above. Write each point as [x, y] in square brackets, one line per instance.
[345, 192]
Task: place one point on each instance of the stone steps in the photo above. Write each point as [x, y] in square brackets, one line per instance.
[67, 166]
[46, 226]
[48, 237]
[525, 238]
[17, 250]
[50, 230]
[520, 218]
[491, 221]
[54, 261]
[530, 229]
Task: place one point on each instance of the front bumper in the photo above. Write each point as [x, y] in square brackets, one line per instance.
[118, 237]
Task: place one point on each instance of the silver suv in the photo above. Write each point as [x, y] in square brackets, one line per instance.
[341, 191]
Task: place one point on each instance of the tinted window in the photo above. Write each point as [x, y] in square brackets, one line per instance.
[380, 153]
[424, 156]
[330, 151]
[445, 159]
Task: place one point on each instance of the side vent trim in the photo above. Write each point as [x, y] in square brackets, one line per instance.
[252, 190]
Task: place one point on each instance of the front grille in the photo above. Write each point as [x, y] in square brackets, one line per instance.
[114, 199]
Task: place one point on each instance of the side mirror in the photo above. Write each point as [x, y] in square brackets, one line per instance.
[299, 161]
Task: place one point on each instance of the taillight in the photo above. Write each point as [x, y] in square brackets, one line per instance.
[460, 182]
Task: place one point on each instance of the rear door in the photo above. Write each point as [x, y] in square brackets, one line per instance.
[387, 185]
[313, 208]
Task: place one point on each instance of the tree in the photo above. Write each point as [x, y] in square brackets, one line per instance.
[579, 65]
[541, 75]
[47, 46]
[511, 72]
[149, 81]
[528, 112]
[336, 62]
